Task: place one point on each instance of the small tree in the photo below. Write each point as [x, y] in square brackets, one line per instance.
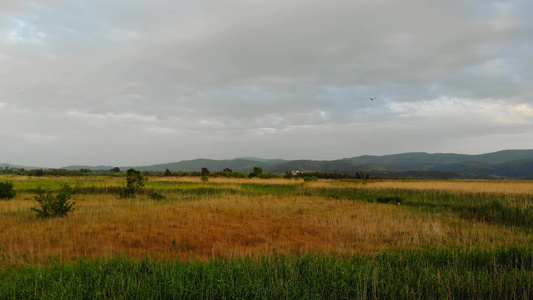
[204, 171]
[7, 191]
[134, 183]
[289, 174]
[168, 173]
[115, 170]
[257, 172]
[54, 206]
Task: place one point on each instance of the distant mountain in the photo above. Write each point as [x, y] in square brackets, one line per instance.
[243, 165]
[507, 164]
[4, 165]
[421, 160]
[94, 168]
[261, 159]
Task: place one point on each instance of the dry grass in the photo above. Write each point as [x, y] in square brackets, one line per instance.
[237, 225]
[475, 186]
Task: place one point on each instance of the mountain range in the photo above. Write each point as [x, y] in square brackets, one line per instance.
[517, 164]
[506, 163]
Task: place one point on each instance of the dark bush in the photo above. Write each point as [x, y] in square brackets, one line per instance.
[7, 191]
[393, 199]
[156, 196]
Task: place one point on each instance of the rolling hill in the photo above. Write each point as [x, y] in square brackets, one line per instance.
[507, 164]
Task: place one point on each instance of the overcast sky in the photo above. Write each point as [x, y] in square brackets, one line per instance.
[138, 82]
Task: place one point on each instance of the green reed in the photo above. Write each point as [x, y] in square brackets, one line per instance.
[429, 274]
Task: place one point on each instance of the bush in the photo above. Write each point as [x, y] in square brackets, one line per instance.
[312, 178]
[7, 191]
[156, 196]
[54, 206]
[393, 199]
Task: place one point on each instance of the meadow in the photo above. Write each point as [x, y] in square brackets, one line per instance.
[270, 238]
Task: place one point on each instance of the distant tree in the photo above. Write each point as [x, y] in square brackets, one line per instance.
[7, 191]
[257, 172]
[115, 170]
[204, 171]
[227, 170]
[289, 174]
[39, 173]
[134, 183]
[168, 173]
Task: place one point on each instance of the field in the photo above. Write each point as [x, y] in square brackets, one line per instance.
[276, 238]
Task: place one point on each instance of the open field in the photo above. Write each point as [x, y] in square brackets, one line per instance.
[290, 222]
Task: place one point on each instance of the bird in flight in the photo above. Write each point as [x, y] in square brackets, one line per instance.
[372, 98]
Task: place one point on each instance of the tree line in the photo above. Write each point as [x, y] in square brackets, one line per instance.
[203, 172]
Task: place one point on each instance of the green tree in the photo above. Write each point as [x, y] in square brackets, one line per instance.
[134, 183]
[168, 173]
[54, 205]
[115, 170]
[289, 174]
[204, 171]
[257, 172]
[7, 191]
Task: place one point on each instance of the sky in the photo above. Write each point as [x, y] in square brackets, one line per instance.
[138, 82]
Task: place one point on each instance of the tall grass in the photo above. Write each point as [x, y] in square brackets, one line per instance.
[429, 274]
[246, 218]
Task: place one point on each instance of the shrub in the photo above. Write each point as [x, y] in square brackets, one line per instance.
[394, 199]
[313, 178]
[156, 196]
[54, 206]
[7, 191]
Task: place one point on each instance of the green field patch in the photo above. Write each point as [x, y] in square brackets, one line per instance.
[429, 274]
[254, 189]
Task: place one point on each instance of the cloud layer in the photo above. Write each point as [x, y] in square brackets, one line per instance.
[140, 82]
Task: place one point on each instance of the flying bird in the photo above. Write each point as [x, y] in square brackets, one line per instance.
[372, 98]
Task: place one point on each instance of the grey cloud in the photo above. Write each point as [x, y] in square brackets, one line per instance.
[184, 76]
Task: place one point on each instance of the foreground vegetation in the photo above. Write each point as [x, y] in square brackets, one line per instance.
[431, 274]
[275, 238]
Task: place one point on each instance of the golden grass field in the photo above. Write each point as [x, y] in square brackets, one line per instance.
[239, 225]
